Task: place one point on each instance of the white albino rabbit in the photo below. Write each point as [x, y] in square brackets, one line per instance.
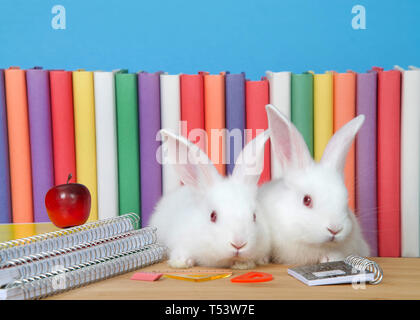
[307, 209]
[211, 220]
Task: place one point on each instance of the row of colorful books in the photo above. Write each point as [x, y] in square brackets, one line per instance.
[102, 127]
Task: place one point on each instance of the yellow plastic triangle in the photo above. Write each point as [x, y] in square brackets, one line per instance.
[201, 277]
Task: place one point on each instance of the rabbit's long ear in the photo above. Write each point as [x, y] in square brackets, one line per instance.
[335, 152]
[288, 145]
[192, 165]
[250, 162]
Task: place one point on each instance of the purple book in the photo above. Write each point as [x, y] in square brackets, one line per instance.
[235, 117]
[38, 90]
[366, 197]
[149, 123]
[5, 200]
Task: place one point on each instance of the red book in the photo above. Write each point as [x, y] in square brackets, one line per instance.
[257, 97]
[61, 87]
[389, 234]
[192, 109]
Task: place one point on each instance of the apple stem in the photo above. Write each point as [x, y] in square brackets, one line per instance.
[69, 178]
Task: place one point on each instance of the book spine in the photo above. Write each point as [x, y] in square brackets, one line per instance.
[62, 117]
[323, 112]
[215, 123]
[235, 117]
[84, 125]
[410, 160]
[5, 200]
[302, 100]
[106, 144]
[279, 88]
[128, 142]
[257, 97]
[149, 122]
[170, 102]
[389, 236]
[19, 145]
[366, 198]
[192, 109]
[344, 105]
[38, 90]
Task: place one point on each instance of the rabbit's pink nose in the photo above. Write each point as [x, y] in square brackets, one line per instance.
[238, 246]
[334, 231]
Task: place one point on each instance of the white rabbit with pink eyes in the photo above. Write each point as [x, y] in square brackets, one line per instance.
[307, 211]
[212, 220]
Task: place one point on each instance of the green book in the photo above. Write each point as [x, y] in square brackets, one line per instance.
[302, 104]
[128, 142]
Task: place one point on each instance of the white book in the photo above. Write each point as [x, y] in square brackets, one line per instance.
[106, 144]
[410, 162]
[279, 83]
[170, 104]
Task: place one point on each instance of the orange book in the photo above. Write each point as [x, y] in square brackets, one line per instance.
[192, 109]
[344, 111]
[214, 119]
[257, 97]
[19, 145]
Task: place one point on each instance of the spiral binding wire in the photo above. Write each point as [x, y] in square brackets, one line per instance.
[25, 267]
[363, 264]
[68, 237]
[42, 285]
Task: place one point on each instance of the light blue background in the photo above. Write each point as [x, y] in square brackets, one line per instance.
[191, 35]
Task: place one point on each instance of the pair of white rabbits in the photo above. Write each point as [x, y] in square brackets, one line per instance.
[300, 218]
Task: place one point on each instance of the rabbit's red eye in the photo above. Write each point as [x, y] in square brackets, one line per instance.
[307, 201]
[213, 216]
[254, 217]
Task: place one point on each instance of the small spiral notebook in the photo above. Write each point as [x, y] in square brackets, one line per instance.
[50, 263]
[353, 269]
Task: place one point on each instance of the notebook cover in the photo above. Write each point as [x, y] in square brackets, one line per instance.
[38, 91]
[5, 200]
[410, 162]
[19, 145]
[257, 97]
[214, 120]
[323, 112]
[192, 109]
[366, 199]
[389, 236]
[302, 100]
[170, 111]
[235, 117]
[106, 144]
[149, 123]
[279, 88]
[128, 142]
[344, 111]
[62, 117]
[84, 128]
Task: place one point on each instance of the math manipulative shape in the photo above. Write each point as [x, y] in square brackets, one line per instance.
[201, 277]
[253, 277]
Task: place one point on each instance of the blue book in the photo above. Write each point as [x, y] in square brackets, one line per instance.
[235, 117]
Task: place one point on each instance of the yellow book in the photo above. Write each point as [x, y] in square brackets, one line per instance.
[84, 130]
[323, 112]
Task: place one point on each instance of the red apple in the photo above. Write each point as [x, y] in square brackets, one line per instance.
[68, 205]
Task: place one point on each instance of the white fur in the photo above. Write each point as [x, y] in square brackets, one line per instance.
[299, 235]
[182, 218]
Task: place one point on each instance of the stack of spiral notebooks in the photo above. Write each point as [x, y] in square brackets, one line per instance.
[54, 262]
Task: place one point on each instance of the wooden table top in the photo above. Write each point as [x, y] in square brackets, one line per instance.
[401, 281]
